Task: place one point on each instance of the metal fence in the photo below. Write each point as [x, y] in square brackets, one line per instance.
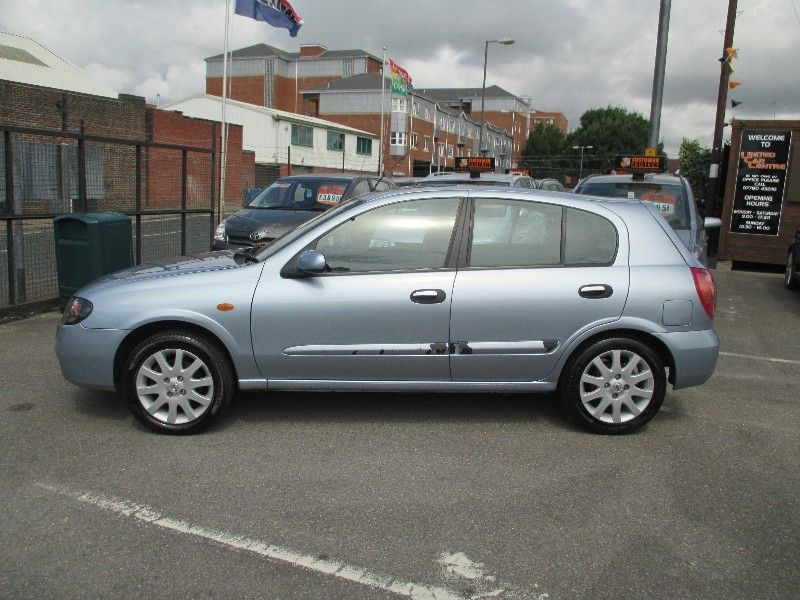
[168, 191]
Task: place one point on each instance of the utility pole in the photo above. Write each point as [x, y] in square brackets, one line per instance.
[658, 73]
[722, 99]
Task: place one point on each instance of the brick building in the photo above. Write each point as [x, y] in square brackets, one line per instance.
[268, 76]
[421, 134]
[502, 109]
[540, 117]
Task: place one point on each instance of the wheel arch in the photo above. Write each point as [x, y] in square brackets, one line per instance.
[643, 337]
[144, 331]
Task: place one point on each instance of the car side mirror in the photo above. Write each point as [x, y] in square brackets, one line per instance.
[311, 262]
[712, 223]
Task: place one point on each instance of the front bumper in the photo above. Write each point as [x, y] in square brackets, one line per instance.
[695, 355]
[86, 356]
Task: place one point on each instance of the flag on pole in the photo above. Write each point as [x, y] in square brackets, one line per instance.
[401, 80]
[734, 84]
[735, 103]
[278, 13]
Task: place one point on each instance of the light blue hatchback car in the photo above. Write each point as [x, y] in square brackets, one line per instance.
[454, 289]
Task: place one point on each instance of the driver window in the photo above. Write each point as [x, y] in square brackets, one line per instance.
[409, 235]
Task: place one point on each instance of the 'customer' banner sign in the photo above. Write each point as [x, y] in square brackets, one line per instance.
[760, 181]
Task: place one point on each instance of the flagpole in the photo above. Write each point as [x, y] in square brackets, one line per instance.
[383, 102]
[224, 153]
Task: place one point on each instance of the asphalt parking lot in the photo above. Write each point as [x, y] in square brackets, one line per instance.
[418, 496]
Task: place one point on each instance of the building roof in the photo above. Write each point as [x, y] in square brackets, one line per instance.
[23, 60]
[445, 94]
[278, 115]
[265, 50]
[356, 83]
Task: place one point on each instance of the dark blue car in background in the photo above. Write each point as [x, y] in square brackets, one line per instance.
[286, 203]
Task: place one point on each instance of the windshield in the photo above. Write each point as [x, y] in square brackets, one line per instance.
[274, 246]
[303, 194]
[669, 197]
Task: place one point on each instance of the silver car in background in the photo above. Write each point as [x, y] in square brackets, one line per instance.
[445, 289]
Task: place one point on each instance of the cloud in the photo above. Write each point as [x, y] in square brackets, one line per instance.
[569, 55]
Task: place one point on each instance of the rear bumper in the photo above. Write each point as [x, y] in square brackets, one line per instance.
[86, 356]
[695, 354]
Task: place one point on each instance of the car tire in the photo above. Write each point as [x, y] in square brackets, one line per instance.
[614, 385]
[178, 382]
[791, 280]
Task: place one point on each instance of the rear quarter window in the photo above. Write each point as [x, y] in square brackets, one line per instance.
[670, 198]
[589, 239]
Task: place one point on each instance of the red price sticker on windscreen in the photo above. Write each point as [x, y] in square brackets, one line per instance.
[330, 194]
[665, 203]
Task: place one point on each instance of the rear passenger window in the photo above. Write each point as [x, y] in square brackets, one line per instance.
[590, 239]
[512, 233]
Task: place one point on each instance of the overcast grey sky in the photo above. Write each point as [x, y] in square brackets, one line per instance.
[569, 55]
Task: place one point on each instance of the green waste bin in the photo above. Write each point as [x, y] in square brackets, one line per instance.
[88, 246]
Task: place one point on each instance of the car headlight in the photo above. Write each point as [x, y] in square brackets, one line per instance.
[76, 311]
[219, 234]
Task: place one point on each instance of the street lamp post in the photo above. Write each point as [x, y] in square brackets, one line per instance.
[505, 42]
[580, 171]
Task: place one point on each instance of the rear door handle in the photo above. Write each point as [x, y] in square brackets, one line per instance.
[595, 290]
[428, 296]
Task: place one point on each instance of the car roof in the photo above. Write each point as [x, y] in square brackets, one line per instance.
[498, 177]
[648, 178]
[320, 176]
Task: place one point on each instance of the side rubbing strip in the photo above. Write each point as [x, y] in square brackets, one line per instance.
[367, 349]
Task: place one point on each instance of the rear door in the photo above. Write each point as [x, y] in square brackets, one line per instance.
[537, 275]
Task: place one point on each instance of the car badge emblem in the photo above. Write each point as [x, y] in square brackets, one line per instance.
[255, 236]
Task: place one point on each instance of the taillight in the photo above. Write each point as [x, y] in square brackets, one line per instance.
[706, 289]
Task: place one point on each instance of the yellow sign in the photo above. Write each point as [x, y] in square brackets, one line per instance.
[650, 151]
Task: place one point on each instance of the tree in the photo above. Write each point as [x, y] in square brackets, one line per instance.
[695, 161]
[543, 150]
[611, 131]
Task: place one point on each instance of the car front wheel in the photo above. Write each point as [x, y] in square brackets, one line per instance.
[177, 382]
[614, 385]
[792, 280]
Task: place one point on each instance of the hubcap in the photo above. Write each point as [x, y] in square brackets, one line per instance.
[616, 386]
[174, 386]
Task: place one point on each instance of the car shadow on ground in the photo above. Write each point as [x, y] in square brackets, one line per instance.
[355, 407]
[396, 408]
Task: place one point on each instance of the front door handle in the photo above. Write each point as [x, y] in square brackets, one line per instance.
[428, 296]
[596, 290]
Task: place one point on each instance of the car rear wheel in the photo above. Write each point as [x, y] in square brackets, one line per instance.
[178, 382]
[614, 386]
[792, 280]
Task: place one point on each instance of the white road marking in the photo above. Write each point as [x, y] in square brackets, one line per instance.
[767, 358]
[308, 562]
[459, 564]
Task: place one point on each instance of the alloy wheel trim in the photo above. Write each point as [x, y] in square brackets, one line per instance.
[616, 386]
[174, 386]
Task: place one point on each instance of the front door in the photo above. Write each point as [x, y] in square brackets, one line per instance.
[381, 312]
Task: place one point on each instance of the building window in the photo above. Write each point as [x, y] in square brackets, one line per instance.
[414, 140]
[398, 138]
[426, 143]
[441, 149]
[414, 108]
[441, 122]
[427, 114]
[549, 121]
[335, 141]
[452, 127]
[302, 135]
[399, 105]
[449, 151]
[363, 145]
